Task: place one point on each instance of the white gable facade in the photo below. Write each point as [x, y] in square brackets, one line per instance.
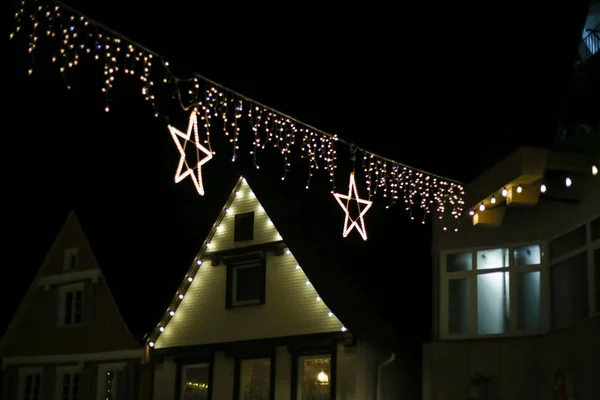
[248, 324]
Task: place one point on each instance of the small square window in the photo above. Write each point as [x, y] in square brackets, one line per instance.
[244, 227]
[71, 260]
[246, 281]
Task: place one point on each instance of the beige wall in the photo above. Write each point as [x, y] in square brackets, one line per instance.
[356, 375]
[291, 306]
[520, 368]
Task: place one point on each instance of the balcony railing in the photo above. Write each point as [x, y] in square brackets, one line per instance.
[590, 44]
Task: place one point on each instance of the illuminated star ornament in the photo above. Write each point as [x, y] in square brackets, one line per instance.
[359, 222]
[203, 155]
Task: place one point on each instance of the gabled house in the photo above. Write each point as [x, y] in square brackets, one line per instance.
[248, 323]
[67, 339]
[517, 305]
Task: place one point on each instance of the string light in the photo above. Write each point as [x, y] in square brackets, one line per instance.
[594, 170]
[207, 155]
[353, 196]
[224, 109]
[195, 268]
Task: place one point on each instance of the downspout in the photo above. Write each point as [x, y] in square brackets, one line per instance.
[379, 369]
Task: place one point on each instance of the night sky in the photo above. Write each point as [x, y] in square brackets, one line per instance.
[445, 89]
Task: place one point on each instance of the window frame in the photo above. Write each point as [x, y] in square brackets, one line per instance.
[512, 270]
[245, 261]
[589, 247]
[103, 368]
[22, 376]
[238, 376]
[69, 253]
[298, 371]
[62, 293]
[184, 368]
[237, 239]
[67, 370]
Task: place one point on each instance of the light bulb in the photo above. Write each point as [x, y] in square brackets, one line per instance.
[171, 313]
[568, 182]
[307, 283]
[218, 227]
[471, 213]
[180, 297]
[190, 279]
[543, 188]
[330, 314]
[199, 262]
[227, 211]
[519, 189]
[344, 329]
[297, 266]
[288, 251]
[482, 207]
[504, 192]
[493, 200]
[594, 170]
[162, 328]
[151, 344]
[318, 298]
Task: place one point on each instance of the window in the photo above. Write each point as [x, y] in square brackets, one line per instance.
[314, 375]
[71, 305]
[597, 277]
[595, 229]
[68, 383]
[255, 379]
[244, 227]
[115, 381]
[572, 271]
[71, 259]
[478, 296]
[30, 384]
[194, 382]
[246, 281]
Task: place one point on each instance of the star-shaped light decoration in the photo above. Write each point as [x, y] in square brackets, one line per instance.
[194, 172]
[359, 222]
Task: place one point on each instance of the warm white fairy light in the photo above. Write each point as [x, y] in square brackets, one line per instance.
[353, 196]
[594, 170]
[195, 172]
[543, 188]
[226, 111]
[568, 182]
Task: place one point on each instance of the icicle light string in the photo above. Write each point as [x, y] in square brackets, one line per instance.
[78, 34]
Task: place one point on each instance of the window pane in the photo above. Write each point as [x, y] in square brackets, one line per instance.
[569, 289]
[77, 307]
[195, 383]
[244, 227]
[459, 262]
[495, 258]
[568, 242]
[68, 308]
[459, 295]
[314, 378]
[66, 386]
[492, 303]
[529, 255]
[596, 229]
[255, 378]
[249, 283]
[75, 386]
[597, 277]
[528, 295]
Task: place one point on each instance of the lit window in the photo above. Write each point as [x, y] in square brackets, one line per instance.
[255, 379]
[314, 377]
[478, 286]
[194, 382]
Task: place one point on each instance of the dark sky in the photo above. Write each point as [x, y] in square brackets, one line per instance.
[442, 88]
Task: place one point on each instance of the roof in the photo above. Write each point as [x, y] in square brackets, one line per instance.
[70, 226]
[355, 278]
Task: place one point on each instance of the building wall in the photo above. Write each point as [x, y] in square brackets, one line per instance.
[544, 221]
[356, 375]
[38, 333]
[292, 305]
[520, 368]
[139, 377]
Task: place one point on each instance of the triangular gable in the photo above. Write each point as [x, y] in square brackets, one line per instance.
[187, 321]
[71, 235]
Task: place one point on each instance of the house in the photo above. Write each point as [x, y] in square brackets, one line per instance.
[517, 305]
[67, 339]
[247, 322]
